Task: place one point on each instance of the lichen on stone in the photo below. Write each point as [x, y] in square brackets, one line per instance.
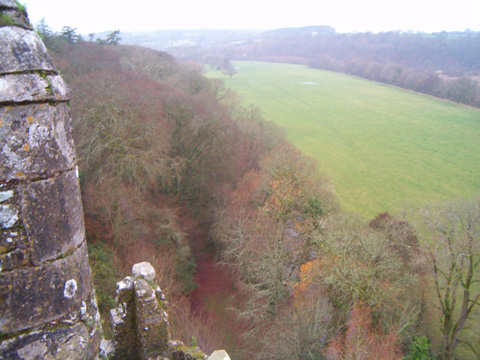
[144, 270]
[5, 195]
[180, 351]
[8, 216]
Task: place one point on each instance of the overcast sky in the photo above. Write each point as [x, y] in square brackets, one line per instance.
[344, 15]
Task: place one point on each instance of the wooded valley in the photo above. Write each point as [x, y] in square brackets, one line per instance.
[177, 171]
[443, 64]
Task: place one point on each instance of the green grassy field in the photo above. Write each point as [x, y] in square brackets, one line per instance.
[382, 147]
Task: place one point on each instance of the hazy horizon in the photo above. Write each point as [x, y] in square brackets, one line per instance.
[97, 16]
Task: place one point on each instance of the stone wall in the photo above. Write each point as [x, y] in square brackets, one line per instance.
[140, 321]
[141, 330]
[47, 304]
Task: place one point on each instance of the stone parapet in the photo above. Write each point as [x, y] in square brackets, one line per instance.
[34, 231]
[32, 87]
[13, 14]
[47, 304]
[23, 50]
[56, 291]
[140, 321]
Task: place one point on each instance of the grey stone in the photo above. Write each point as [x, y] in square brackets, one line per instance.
[152, 322]
[22, 50]
[59, 343]
[219, 355]
[14, 259]
[9, 4]
[123, 322]
[8, 241]
[90, 316]
[5, 195]
[15, 17]
[124, 285]
[179, 351]
[8, 216]
[52, 215]
[106, 348]
[144, 270]
[47, 305]
[34, 296]
[36, 141]
[139, 321]
[14, 246]
[19, 88]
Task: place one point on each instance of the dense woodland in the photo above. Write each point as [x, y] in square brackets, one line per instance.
[176, 171]
[443, 64]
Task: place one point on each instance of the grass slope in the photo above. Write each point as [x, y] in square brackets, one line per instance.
[381, 146]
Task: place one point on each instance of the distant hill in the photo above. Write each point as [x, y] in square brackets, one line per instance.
[166, 39]
[301, 31]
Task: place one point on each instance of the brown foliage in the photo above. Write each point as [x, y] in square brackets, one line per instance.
[401, 239]
[154, 139]
[362, 340]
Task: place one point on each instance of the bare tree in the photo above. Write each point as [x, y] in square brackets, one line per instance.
[455, 231]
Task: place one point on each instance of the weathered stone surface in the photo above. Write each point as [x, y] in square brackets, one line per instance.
[22, 50]
[36, 140]
[18, 88]
[13, 15]
[123, 322]
[8, 240]
[219, 355]
[8, 216]
[8, 4]
[139, 321]
[58, 343]
[90, 316]
[41, 220]
[13, 240]
[14, 259]
[52, 215]
[106, 348]
[53, 292]
[47, 305]
[5, 195]
[144, 270]
[179, 351]
[152, 322]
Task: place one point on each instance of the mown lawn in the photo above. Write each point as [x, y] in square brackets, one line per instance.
[382, 147]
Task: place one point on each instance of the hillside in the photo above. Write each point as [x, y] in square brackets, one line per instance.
[246, 238]
[147, 162]
[382, 147]
[442, 64]
[159, 156]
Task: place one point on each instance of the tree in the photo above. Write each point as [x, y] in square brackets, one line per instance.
[113, 38]
[228, 68]
[43, 30]
[70, 34]
[462, 90]
[362, 340]
[455, 231]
